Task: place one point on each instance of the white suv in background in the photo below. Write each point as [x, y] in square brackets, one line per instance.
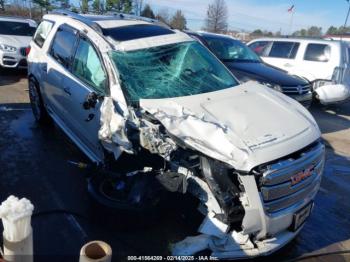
[15, 36]
[325, 63]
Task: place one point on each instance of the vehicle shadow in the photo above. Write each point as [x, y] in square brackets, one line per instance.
[331, 118]
[11, 76]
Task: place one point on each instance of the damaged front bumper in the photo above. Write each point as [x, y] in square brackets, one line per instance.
[276, 205]
[229, 248]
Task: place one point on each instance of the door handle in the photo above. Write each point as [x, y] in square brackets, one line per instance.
[90, 117]
[67, 90]
[288, 65]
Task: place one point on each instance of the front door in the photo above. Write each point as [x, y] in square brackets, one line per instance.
[88, 78]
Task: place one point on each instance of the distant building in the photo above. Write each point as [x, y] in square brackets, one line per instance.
[243, 36]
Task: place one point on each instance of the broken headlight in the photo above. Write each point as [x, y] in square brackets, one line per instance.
[273, 86]
[220, 181]
[7, 48]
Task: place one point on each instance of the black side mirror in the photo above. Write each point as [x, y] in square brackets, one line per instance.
[90, 101]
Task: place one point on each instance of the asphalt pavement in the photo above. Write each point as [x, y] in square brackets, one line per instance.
[34, 164]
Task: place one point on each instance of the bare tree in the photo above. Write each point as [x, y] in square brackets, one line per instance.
[163, 16]
[148, 12]
[2, 5]
[138, 5]
[178, 21]
[216, 20]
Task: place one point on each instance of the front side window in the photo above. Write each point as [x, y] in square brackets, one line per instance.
[260, 47]
[284, 49]
[175, 70]
[88, 67]
[231, 50]
[42, 32]
[63, 46]
[16, 28]
[317, 53]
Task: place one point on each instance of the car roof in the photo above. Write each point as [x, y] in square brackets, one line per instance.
[299, 39]
[122, 31]
[208, 34]
[17, 19]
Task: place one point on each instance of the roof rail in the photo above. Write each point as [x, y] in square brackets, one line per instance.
[78, 17]
[136, 17]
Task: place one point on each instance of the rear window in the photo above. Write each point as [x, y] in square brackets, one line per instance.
[16, 28]
[260, 47]
[284, 50]
[131, 32]
[63, 46]
[317, 52]
[42, 32]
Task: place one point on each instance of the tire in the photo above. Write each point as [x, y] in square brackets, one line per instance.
[119, 214]
[38, 108]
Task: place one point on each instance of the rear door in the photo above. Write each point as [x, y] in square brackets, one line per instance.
[87, 81]
[320, 60]
[57, 68]
[282, 54]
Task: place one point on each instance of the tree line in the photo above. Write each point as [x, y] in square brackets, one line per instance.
[36, 8]
[215, 21]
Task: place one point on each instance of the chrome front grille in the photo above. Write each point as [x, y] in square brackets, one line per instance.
[277, 188]
[296, 90]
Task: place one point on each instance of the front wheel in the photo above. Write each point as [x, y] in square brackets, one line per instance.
[36, 102]
[125, 202]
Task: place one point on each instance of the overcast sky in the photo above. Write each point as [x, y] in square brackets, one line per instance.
[264, 14]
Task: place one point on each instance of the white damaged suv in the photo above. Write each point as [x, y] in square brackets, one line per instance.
[125, 86]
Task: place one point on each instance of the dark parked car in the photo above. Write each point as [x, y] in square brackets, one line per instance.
[246, 65]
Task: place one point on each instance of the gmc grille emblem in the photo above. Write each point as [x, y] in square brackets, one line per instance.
[297, 178]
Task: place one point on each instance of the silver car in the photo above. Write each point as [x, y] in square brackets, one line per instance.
[155, 110]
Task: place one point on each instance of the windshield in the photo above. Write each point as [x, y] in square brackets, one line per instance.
[16, 28]
[175, 70]
[231, 50]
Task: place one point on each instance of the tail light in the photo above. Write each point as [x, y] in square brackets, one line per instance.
[27, 50]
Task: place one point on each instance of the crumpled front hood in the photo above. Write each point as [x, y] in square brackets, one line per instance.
[15, 40]
[244, 126]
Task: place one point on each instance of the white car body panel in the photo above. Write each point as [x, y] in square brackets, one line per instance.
[314, 70]
[225, 128]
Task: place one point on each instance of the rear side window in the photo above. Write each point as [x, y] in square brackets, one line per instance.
[63, 46]
[16, 28]
[260, 47]
[87, 66]
[42, 32]
[317, 53]
[284, 50]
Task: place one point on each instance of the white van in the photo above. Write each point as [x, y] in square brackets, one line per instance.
[325, 63]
